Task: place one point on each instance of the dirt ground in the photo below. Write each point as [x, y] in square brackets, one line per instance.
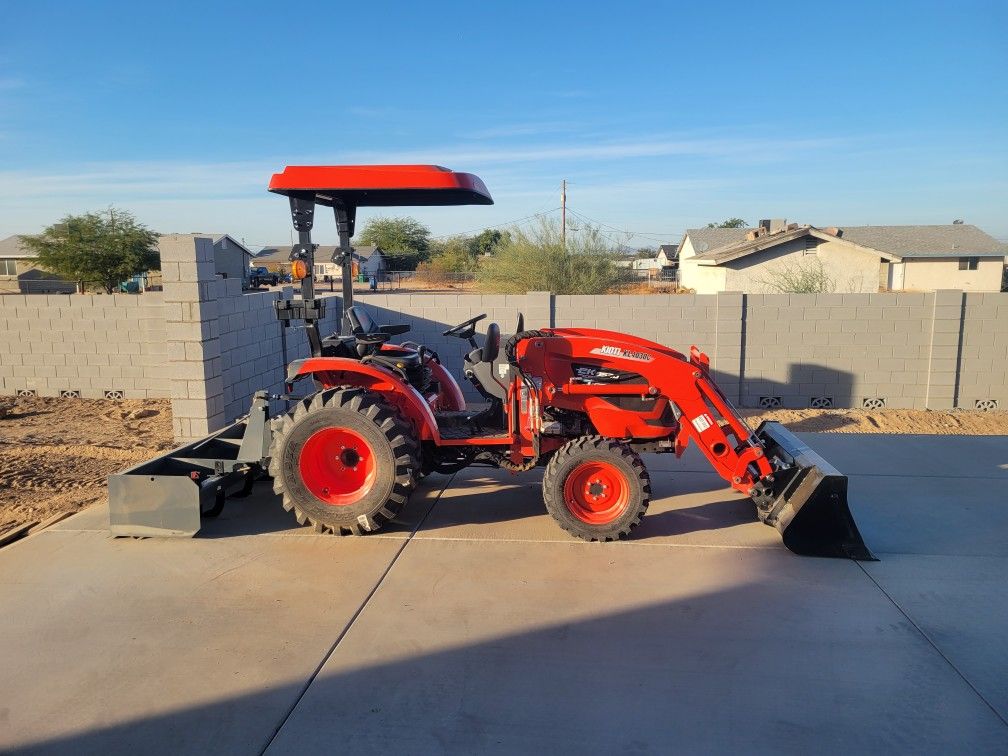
[55, 454]
[955, 423]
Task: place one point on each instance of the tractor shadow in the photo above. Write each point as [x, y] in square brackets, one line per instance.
[262, 513]
[495, 504]
[711, 516]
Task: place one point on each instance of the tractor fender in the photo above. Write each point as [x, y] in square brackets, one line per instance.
[450, 396]
[341, 371]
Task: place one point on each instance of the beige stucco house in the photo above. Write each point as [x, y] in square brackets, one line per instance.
[852, 259]
[20, 275]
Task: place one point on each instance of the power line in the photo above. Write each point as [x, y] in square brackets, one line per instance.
[542, 214]
[631, 232]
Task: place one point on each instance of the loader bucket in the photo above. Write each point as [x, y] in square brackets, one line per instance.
[809, 499]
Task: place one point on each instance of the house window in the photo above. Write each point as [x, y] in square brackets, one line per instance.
[969, 263]
[811, 245]
[8, 267]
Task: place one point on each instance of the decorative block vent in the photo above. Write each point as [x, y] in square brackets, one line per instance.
[770, 402]
[986, 405]
[26, 392]
[114, 394]
[874, 403]
[821, 402]
[69, 393]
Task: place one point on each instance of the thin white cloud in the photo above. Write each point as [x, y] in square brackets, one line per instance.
[519, 129]
[758, 150]
[138, 179]
[242, 178]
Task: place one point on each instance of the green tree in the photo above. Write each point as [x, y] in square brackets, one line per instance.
[404, 240]
[96, 248]
[536, 260]
[448, 257]
[730, 223]
[487, 241]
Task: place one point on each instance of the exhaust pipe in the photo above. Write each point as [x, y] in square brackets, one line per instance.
[806, 500]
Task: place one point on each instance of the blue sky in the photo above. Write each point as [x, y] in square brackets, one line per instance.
[661, 116]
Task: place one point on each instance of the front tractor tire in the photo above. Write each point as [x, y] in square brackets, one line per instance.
[596, 488]
[343, 461]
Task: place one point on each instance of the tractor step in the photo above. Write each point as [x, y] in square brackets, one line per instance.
[807, 499]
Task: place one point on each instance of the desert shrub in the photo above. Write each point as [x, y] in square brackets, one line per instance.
[449, 258]
[536, 260]
[808, 276]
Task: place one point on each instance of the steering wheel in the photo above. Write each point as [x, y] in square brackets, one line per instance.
[461, 328]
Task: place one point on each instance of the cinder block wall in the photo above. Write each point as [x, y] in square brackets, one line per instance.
[91, 344]
[983, 359]
[909, 350]
[843, 348]
[255, 348]
[209, 347]
[224, 344]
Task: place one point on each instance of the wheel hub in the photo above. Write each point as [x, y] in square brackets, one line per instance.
[337, 466]
[597, 492]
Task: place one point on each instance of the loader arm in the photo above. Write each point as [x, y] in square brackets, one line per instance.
[622, 382]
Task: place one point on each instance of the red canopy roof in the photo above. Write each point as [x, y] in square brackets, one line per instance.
[382, 185]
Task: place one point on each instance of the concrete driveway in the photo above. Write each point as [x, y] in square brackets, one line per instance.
[476, 625]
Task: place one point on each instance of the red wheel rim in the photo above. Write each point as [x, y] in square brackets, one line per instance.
[337, 465]
[596, 492]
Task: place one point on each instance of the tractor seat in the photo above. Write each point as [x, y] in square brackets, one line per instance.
[397, 359]
[406, 362]
[339, 346]
[482, 368]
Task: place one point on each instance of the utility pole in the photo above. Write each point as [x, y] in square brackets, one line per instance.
[563, 212]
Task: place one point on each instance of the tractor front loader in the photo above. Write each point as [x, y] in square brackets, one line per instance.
[367, 418]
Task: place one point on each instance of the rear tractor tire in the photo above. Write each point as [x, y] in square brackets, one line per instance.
[343, 461]
[596, 488]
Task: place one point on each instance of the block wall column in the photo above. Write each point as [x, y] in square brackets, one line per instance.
[727, 362]
[193, 335]
[946, 345]
[539, 309]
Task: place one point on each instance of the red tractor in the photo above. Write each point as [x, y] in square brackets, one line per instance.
[369, 418]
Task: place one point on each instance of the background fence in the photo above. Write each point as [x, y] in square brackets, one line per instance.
[208, 346]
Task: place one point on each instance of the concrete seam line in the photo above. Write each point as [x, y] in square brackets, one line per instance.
[933, 645]
[622, 544]
[346, 629]
[915, 477]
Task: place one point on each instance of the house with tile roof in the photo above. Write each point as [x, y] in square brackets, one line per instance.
[853, 259]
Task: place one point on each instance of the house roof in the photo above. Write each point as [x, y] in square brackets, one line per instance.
[950, 240]
[217, 239]
[670, 250]
[893, 243]
[705, 239]
[730, 252]
[12, 247]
